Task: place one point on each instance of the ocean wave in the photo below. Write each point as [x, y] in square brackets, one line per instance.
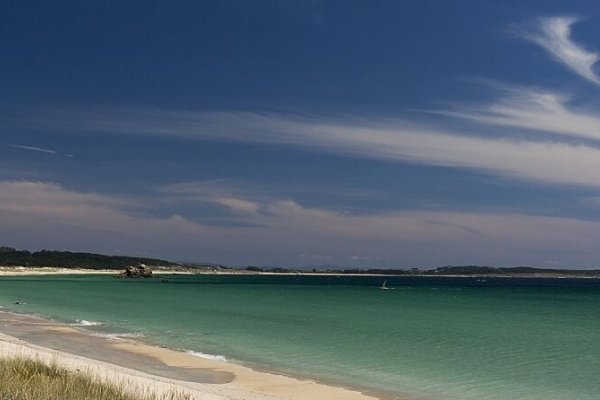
[117, 335]
[84, 322]
[207, 356]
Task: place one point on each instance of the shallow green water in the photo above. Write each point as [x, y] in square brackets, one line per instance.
[436, 339]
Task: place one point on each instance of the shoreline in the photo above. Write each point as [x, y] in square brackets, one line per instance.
[35, 271]
[143, 366]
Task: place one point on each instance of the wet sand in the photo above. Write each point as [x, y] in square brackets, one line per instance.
[144, 368]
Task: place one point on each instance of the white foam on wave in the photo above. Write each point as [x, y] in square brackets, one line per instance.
[117, 335]
[207, 356]
[84, 322]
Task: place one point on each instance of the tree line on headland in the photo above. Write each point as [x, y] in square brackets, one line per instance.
[66, 259]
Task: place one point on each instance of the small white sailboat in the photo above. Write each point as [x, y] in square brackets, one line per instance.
[383, 285]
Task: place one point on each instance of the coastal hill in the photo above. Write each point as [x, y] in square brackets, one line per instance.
[11, 257]
[66, 259]
[468, 270]
[479, 270]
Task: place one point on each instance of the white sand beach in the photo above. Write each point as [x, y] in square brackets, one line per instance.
[201, 378]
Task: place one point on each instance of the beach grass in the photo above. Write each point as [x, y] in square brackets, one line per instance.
[27, 379]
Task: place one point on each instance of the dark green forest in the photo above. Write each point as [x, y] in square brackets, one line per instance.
[66, 259]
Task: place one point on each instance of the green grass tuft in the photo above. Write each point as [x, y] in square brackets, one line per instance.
[25, 379]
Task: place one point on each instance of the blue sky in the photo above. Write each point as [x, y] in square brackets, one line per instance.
[355, 133]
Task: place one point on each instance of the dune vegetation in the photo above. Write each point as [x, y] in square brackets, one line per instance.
[26, 379]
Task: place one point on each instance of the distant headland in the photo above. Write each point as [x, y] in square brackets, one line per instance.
[66, 259]
[11, 257]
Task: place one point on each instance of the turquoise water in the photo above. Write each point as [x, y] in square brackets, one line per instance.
[431, 338]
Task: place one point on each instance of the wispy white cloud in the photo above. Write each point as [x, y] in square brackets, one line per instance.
[33, 148]
[554, 35]
[238, 205]
[532, 109]
[223, 192]
[404, 237]
[51, 215]
[210, 189]
[229, 188]
[43, 203]
[386, 139]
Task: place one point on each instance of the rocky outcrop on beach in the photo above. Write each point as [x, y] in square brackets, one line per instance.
[136, 271]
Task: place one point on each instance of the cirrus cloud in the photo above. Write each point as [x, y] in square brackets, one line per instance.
[553, 34]
[536, 159]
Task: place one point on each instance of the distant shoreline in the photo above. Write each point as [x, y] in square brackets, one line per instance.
[43, 262]
[18, 271]
[33, 271]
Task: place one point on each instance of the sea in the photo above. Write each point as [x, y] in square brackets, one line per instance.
[424, 338]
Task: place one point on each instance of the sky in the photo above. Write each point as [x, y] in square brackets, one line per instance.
[306, 133]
